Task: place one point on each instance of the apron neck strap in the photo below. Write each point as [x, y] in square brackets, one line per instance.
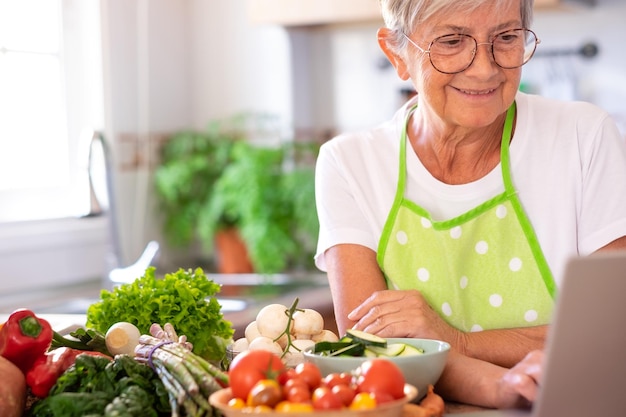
[505, 164]
[507, 132]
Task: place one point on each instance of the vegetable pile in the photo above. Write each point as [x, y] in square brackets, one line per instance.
[184, 298]
[260, 382]
[188, 378]
[100, 386]
[285, 332]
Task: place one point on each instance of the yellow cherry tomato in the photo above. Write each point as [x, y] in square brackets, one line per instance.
[260, 409]
[265, 392]
[236, 403]
[363, 401]
[289, 407]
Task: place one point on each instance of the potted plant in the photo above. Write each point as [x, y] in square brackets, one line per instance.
[214, 186]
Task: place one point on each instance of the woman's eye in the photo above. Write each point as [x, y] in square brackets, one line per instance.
[508, 37]
[451, 41]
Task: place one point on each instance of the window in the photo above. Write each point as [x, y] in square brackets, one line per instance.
[50, 99]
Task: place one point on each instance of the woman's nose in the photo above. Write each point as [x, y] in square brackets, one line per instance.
[483, 58]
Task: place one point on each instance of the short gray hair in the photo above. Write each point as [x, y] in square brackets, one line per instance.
[404, 16]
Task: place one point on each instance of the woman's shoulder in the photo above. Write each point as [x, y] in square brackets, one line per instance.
[546, 107]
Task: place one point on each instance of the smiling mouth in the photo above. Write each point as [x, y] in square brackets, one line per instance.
[477, 92]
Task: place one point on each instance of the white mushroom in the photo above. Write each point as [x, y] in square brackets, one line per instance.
[294, 355]
[272, 320]
[300, 345]
[306, 323]
[325, 336]
[122, 338]
[265, 343]
[252, 331]
[240, 345]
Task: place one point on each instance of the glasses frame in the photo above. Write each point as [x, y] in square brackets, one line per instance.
[476, 45]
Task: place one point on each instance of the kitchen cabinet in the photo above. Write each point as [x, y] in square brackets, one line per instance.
[327, 12]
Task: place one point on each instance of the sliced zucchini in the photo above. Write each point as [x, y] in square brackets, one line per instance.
[367, 339]
[326, 346]
[392, 349]
[355, 349]
[369, 353]
[412, 350]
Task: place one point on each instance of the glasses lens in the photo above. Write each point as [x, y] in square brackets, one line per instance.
[452, 53]
[455, 53]
[513, 48]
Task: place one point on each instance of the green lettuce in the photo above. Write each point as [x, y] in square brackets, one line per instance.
[186, 299]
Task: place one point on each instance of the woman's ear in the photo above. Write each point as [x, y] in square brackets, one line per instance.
[396, 60]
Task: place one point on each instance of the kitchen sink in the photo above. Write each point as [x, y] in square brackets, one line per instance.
[238, 292]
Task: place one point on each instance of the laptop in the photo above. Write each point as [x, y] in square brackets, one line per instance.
[585, 364]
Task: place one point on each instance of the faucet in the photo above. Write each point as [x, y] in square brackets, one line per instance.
[102, 202]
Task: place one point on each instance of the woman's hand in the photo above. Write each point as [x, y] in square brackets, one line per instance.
[519, 386]
[394, 313]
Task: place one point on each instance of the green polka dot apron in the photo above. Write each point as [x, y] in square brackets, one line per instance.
[481, 270]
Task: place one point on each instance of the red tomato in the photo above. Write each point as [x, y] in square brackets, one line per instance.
[324, 399]
[380, 375]
[296, 391]
[310, 373]
[345, 393]
[343, 378]
[382, 397]
[250, 367]
[290, 373]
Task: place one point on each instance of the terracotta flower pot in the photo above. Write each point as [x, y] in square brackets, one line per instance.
[232, 254]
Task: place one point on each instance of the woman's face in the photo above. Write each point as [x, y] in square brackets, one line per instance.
[475, 97]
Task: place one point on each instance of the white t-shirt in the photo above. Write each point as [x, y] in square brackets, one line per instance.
[568, 164]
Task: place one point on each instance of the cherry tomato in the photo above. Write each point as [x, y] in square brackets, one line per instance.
[289, 407]
[258, 409]
[250, 367]
[289, 373]
[324, 399]
[310, 373]
[363, 401]
[380, 375]
[382, 397]
[297, 391]
[345, 393]
[236, 403]
[265, 392]
[337, 378]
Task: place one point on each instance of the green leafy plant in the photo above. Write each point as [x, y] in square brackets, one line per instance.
[211, 181]
[191, 162]
[186, 299]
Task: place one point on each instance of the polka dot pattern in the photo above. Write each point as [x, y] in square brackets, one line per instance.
[487, 278]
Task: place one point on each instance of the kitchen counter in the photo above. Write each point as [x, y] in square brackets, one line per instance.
[312, 292]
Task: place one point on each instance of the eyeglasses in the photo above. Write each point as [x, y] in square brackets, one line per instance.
[451, 54]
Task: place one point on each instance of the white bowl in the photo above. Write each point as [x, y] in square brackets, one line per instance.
[419, 370]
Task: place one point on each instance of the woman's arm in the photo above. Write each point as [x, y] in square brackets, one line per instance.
[361, 300]
[471, 381]
[353, 275]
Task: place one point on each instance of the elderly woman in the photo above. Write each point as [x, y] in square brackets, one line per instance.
[454, 220]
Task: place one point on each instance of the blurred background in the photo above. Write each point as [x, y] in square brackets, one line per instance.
[92, 92]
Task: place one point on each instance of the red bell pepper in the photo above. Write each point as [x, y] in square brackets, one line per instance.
[24, 338]
[48, 368]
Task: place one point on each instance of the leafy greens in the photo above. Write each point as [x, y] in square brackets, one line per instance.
[186, 299]
[96, 386]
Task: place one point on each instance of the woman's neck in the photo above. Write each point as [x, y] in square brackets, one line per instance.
[456, 155]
